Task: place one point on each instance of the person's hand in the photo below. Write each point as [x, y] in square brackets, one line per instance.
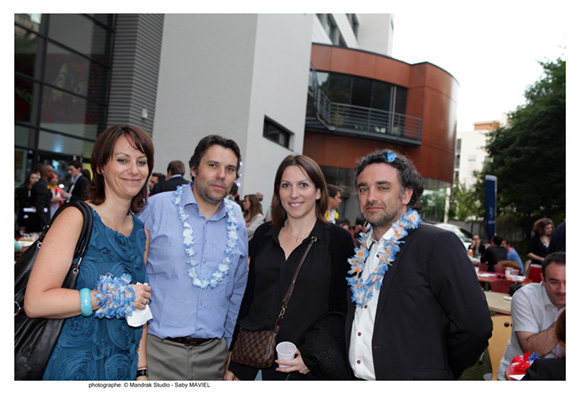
[296, 364]
[142, 295]
[229, 375]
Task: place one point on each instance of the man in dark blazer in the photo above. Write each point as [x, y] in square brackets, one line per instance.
[40, 197]
[79, 183]
[426, 317]
[175, 171]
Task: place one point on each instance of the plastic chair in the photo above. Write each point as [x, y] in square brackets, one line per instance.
[499, 268]
[509, 263]
[535, 274]
[501, 286]
[500, 335]
[483, 267]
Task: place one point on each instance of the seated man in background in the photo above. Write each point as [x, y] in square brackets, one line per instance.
[494, 253]
[512, 254]
[535, 308]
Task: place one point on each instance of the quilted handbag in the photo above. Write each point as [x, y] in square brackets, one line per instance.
[34, 339]
[257, 349]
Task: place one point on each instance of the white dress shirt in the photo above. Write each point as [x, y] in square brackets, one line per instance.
[360, 354]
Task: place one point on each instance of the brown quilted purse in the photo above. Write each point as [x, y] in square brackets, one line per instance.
[257, 349]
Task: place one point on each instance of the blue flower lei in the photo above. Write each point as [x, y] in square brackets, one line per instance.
[114, 296]
[362, 292]
[232, 232]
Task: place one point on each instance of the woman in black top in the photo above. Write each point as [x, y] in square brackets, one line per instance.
[538, 246]
[298, 207]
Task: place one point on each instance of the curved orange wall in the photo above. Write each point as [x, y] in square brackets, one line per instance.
[432, 96]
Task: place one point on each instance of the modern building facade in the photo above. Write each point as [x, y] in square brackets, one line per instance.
[470, 150]
[279, 84]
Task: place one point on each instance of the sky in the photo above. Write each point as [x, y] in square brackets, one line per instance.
[492, 52]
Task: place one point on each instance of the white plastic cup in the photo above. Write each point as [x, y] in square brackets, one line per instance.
[285, 351]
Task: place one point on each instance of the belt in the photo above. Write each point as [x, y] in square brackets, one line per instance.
[189, 341]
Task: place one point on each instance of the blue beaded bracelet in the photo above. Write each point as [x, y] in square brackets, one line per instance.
[86, 304]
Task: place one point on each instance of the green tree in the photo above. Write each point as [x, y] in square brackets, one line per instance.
[464, 203]
[528, 156]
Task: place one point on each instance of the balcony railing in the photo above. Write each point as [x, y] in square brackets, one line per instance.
[362, 120]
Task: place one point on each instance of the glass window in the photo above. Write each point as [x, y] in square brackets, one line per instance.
[26, 47]
[69, 114]
[381, 96]
[21, 136]
[30, 21]
[52, 142]
[276, 133]
[74, 73]
[24, 91]
[79, 33]
[361, 92]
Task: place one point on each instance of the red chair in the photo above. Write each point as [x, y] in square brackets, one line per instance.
[501, 286]
[483, 267]
[499, 268]
[535, 274]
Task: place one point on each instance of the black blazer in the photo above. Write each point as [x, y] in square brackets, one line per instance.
[80, 189]
[168, 185]
[432, 317]
[40, 198]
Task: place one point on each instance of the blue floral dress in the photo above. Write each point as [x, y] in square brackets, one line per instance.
[90, 348]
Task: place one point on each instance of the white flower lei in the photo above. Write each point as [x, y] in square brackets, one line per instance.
[362, 292]
[232, 233]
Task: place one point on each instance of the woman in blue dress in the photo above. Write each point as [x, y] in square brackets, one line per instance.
[96, 342]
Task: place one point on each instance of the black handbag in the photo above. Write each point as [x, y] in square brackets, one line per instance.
[34, 339]
[257, 349]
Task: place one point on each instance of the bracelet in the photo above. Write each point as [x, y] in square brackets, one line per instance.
[86, 304]
[142, 372]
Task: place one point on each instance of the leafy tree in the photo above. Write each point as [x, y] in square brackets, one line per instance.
[528, 156]
[464, 203]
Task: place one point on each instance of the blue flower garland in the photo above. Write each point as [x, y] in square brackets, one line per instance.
[232, 233]
[362, 292]
[114, 296]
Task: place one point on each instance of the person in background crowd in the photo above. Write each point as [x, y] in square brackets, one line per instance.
[417, 310]
[535, 308]
[56, 192]
[79, 183]
[252, 214]
[494, 253]
[198, 267]
[334, 200]
[476, 245]
[175, 172]
[551, 368]
[538, 246]
[299, 203]
[96, 342]
[512, 254]
[26, 216]
[558, 240]
[40, 197]
[156, 177]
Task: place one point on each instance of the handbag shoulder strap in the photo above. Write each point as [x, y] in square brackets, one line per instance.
[85, 235]
[286, 298]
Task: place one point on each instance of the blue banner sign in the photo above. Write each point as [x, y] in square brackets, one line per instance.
[490, 204]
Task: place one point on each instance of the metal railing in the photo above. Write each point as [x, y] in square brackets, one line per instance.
[370, 121]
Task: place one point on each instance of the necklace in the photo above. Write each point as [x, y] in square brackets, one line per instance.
[293, 236]
[362, 291]
[232, 233]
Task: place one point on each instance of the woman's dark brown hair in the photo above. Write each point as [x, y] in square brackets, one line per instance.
[102, 154]
[540, 226]
[254, 207]
[313, 171]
